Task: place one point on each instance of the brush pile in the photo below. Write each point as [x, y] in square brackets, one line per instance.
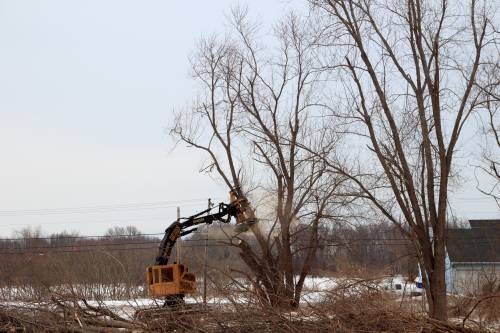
[365, 309]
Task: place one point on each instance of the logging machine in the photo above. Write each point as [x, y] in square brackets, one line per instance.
[173, 280]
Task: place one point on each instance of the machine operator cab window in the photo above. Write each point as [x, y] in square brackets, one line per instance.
[160, 274]
[167, 274]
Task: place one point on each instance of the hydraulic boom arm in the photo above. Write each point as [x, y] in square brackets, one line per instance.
[238, 208]
[179, 229]
[173, 280]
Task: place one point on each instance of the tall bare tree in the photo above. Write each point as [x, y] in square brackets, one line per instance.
[409, 71]
[490, 86]
[256, 104]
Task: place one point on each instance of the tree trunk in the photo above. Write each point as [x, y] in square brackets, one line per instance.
[437, 284]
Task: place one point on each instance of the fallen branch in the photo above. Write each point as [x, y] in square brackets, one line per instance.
[475, 306]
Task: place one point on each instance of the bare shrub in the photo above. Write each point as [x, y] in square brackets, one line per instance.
[481, 309]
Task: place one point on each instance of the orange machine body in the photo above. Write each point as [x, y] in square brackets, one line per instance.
[171, 279]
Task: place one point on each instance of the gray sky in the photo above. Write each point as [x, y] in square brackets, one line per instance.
[87, 89]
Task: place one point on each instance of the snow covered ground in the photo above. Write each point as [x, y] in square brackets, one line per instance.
[315, 290]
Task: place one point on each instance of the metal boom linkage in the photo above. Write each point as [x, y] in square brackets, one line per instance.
[179, 229]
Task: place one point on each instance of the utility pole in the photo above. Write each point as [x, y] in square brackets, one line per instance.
[205, 266]
[178, 249]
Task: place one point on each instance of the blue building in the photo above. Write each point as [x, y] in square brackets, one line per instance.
[473, 258]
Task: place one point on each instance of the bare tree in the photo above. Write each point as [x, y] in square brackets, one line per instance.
[29, 236]
[256, 104]
[122, 232]
[489, 85]
[409, 71]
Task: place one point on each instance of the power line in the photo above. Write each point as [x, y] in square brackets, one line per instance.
[81, 245]
[60, 237]
[103, 245]
[101, 208]
[128, 206]
[134, 249]
[76, 245]
[154, 244]
[77, 251]
[106, 220]
[214, 242]
[100, 250]
[90, 248]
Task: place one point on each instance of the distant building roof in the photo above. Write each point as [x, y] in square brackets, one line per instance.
[485, 224]
[480, 243]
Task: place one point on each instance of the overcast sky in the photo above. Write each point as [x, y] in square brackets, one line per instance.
[87, 89]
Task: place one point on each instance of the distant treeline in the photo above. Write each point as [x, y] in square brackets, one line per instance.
[121, 255]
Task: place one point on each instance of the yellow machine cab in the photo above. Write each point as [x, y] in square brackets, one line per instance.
[172, 279]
